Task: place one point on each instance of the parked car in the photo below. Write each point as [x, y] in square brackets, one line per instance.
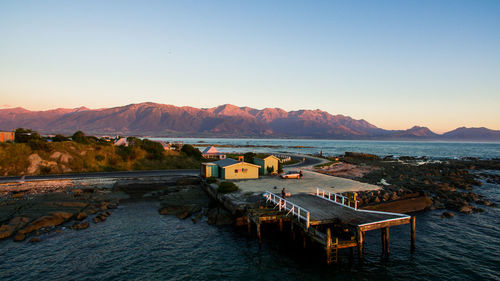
[291, 175]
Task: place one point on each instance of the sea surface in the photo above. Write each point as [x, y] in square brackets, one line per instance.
[436, 150]
[136, 243]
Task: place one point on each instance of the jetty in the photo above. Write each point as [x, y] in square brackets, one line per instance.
[330, 219]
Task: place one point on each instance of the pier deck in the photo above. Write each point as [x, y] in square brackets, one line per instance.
[314, 213]
[325, 212]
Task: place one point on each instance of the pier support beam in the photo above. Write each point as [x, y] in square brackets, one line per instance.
[412, 225]
[382, 238]
[249, 225]
[259, 236]
[292, 231]
[386, 242]
[281, 225]
[360, 235]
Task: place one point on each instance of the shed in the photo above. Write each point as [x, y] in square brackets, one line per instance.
[209, 170]
[232, 170]
[270, 161]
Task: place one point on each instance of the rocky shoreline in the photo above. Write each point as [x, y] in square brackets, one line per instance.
[446, 184]
[32, 209]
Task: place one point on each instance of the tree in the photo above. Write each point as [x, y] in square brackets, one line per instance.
[154, 149]
[191, 151]
[59, 138]
[24, 135]
[79, 137]
[280, 167]
[249, 157]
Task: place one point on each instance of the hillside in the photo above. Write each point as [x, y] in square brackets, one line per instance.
[223, 121]
[73, 157]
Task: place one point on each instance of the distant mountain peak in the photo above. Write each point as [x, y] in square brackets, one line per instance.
[226, 120]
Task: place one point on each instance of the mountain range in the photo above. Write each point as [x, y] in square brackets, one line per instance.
[227, 120]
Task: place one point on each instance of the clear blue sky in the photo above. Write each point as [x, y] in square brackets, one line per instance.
[393, 63]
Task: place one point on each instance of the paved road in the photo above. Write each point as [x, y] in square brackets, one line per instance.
[124, 174]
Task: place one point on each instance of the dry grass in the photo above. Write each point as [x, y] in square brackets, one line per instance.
[66, 157]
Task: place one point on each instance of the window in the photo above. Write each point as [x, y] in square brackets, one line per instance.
[235, 171]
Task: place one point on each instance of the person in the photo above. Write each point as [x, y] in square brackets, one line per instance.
[283, 193]
[300, 174]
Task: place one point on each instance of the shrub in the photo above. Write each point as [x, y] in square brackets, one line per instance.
[45, 170]
[38, 144]
[270, 169]
[211, 180]
[59, 138]
[227, 187]
[99, 157]
[191, 151]
[280, 168]
[80, 137]
[25, 135]
[154, 149]
[249, 157]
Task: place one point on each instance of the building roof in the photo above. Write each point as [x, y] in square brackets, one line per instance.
[229, 162]
[225, 162]
[209, 164]
[210, 150]
[272, 156]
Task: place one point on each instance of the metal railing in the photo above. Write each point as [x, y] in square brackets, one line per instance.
[285, 205]
[336, 198]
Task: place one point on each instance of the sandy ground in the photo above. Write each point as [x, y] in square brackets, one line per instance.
[308, 184]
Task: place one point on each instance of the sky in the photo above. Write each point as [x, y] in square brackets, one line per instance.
[395, 64]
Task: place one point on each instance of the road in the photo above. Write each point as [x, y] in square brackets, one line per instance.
[126, 174]
[122, 174]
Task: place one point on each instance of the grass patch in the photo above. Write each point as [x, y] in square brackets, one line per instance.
[291, 162]
[319, 166]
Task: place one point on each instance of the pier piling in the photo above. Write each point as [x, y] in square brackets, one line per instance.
[412, 225]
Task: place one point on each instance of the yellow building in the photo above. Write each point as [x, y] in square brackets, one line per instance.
[231, 169]
[270, 162]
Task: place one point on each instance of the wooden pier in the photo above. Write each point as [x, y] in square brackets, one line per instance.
[317, 215]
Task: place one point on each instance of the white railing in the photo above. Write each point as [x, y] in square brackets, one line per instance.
[336, 198]
[285, 205]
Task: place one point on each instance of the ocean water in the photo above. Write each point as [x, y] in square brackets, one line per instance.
[437, 150]
[136, 243]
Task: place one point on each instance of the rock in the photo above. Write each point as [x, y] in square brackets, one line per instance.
[104, 206]
[386, 196]
[81, 216]
[447, 215]
[63, 215]
[35, 161]
[54, 219]
[77, 191]
[79, 226]
[19, 237]
[183, 215]
[467, 209]
[35, 240]
[18, 195]
[6, 231]
[394, 196]
[112, 206]
[96, 220]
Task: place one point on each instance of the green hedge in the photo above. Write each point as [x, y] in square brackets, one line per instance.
[227, 187]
